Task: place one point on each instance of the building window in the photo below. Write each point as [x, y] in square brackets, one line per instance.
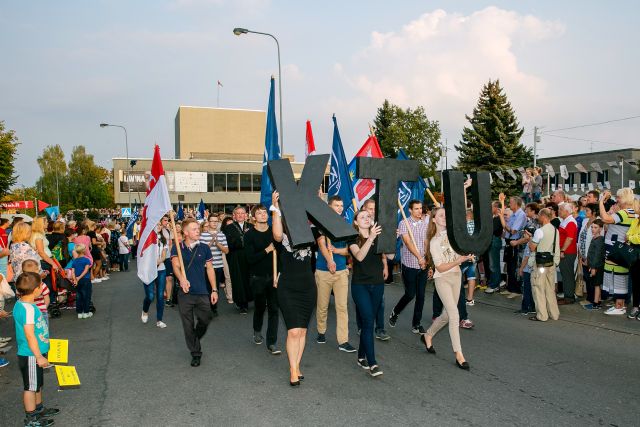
[232, 182]
[604, 176]
[220, 182]
[245, 182]
[210, 182]
[257, 179]
[584, 178]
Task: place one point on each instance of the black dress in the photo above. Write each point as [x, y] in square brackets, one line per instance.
[296, 286]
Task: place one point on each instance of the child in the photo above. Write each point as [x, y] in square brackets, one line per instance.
[42, 301]
[123, 252]
[595, 263]
[32, 337]
[82, 279]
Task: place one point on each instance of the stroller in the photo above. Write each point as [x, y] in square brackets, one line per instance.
[63, 288]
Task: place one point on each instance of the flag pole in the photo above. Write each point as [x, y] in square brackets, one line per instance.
[435, 202]
[275, 267]
[177, 242]
[406, 222]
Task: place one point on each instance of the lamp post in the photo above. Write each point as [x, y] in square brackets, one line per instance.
[126, 147]
[240, 31]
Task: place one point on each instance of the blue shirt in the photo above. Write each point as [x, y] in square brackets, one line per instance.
[196, 270]
[340, 260]
[516, 222]
[78, 267]
[26, 313]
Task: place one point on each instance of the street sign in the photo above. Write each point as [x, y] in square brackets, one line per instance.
[125, 212]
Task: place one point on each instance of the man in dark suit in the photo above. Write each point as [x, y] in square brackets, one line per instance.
[237, 260]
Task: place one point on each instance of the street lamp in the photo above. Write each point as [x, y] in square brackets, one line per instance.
[240, 31]
[126, 147]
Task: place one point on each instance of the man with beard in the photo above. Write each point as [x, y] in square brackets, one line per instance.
[237, 259]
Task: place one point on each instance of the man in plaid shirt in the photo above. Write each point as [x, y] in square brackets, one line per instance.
[414, 266]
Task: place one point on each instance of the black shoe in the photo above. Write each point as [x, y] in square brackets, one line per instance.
[243, 311]
[464, 365]
[168, 303]
[382, 335]
[418, 329]
[429, 349]
[274, 350]
[363, 364]
[375, 371]
[300, 377]
[195, 361]
[48, 412]
[294, 383]
[393, 319]
[346, 347]
[257, 338]
[321, 339]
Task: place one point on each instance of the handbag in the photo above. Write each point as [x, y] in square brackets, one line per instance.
[546, 259]
[624, 254]
[5, 290]
[580, 282]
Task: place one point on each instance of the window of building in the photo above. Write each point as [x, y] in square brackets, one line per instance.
[232, 182]
[245, 182]
[257, 180]
[584, 178]
[210, 182]
[219, 182]
[604, 176]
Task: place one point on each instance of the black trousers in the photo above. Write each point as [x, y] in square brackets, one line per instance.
[195, 313]
[511, 253]
[265, 296]
[415, 283]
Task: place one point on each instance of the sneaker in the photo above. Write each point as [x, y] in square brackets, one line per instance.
[38, 422]
[160, 324]
[5, 349]
[513, 295]
[588, 306]
[616, 311]
[393, 319]
[257, 338]
[243, 311]
[361, 362]
[375, 371]
[418, 329]
[105, 278]
[560, 295]
[87, 315]
[346, 347]
[505, 292]
[80, 315]
[273, 350]
[502, 284]
[48, 412]
[321, 339]
[634, 312]
[382, 335]
[5, 339]
[3, 362]
[491, 290]
[466, 324]
[471, 303]
[144, 317]
[597, 306]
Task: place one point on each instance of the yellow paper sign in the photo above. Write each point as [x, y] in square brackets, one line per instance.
[67, 376]
[58, 351]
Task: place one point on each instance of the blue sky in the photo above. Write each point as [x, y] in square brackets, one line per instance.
[69, 65]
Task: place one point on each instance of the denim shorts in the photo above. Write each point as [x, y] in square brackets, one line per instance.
[468, 269]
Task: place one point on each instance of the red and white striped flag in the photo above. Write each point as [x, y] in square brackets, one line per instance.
[310, 148]
[156, 204]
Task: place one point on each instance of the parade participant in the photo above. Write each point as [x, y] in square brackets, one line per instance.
[367, 286]
[414, 267]
[259, 248]
[156, 288]
[228, 288]
[332, 276]
[32, 337]
[447, 277]
[194, 299]
[219, 249]
[543, 260]
[296, 292]
[168, 267]
[237, 259]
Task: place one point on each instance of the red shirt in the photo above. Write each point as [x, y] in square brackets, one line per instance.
[569, 230]
[4, 239]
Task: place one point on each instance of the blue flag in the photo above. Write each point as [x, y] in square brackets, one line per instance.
[339, 179]
[271, 148]
[180, 213]
[134, 217]
[53, 212]
[201, 209]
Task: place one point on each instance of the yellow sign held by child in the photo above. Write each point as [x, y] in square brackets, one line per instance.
[67, 376]
[58, 351]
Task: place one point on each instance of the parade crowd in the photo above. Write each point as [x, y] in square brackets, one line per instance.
[545, 251]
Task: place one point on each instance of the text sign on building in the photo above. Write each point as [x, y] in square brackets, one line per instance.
[134, 180]
[187, 182]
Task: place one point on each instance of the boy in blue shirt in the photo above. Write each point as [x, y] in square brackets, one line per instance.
[82, 280]
[32, 337]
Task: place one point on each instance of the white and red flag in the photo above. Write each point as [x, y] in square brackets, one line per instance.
[364, 188]
[310, 148]
[156, 205]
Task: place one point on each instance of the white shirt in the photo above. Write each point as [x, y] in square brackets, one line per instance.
[123, 245]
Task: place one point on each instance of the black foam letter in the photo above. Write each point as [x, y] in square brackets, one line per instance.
[456, 212]
[388, 173]
[300, 203]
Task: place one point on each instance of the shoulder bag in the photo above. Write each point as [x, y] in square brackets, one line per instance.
[545, 259]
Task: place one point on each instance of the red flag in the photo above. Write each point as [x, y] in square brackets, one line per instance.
[364, 189]
[42, 205]
[156, 204]
[310, 148]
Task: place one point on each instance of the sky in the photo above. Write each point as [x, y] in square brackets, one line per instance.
[69, 65]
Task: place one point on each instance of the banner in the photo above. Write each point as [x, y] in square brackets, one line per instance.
[24, 204]
[499, 175]
[614, 166]
[550, 169]
[590, 186]
[564, 172]
[632, 184]
[512, 174]
[596, 167]
[581, 168]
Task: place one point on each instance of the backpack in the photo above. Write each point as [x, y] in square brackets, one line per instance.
[633, 234]
[56, 252]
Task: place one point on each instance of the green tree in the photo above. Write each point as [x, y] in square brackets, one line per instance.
[8, 147]
[53, 176]
[89, 185]
[411, 131]
[492, 141]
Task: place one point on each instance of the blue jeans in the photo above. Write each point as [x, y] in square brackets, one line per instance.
[157, 286]
[415, 283]
[368, 299]
[494, 262]
[124, 262]
[379, 326]
[527, 296]
[83, 295]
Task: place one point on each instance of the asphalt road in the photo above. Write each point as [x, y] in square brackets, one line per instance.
[581, 370]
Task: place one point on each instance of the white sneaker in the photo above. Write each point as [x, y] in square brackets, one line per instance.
[161, 324]
[80, 315]
[616, 311]
[144, 317]
[95, 281]
[87, 315]
[5, 339]
[105, 278]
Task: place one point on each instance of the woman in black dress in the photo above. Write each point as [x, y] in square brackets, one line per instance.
[296, 292]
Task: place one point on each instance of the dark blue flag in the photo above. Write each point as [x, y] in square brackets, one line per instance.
[180, 213]
[271, 148]
[339, 179]
[201, 209]
[134, 217]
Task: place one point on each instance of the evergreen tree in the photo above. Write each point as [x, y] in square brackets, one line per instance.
[492, 142]
[8, 147]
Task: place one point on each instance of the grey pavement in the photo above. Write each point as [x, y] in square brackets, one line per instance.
[581, 370]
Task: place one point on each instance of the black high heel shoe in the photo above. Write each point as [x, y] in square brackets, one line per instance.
[464, 365]
[294, 383]
[429, 349]
[300, 377]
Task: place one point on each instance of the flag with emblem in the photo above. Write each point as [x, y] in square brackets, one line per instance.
[364, 189]
[339, 179]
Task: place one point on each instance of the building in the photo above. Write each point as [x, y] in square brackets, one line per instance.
[218, 158]
[612, 169]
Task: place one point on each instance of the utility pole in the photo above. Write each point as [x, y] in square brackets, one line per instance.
[57, 187]
[536, 139]
[621, 172]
